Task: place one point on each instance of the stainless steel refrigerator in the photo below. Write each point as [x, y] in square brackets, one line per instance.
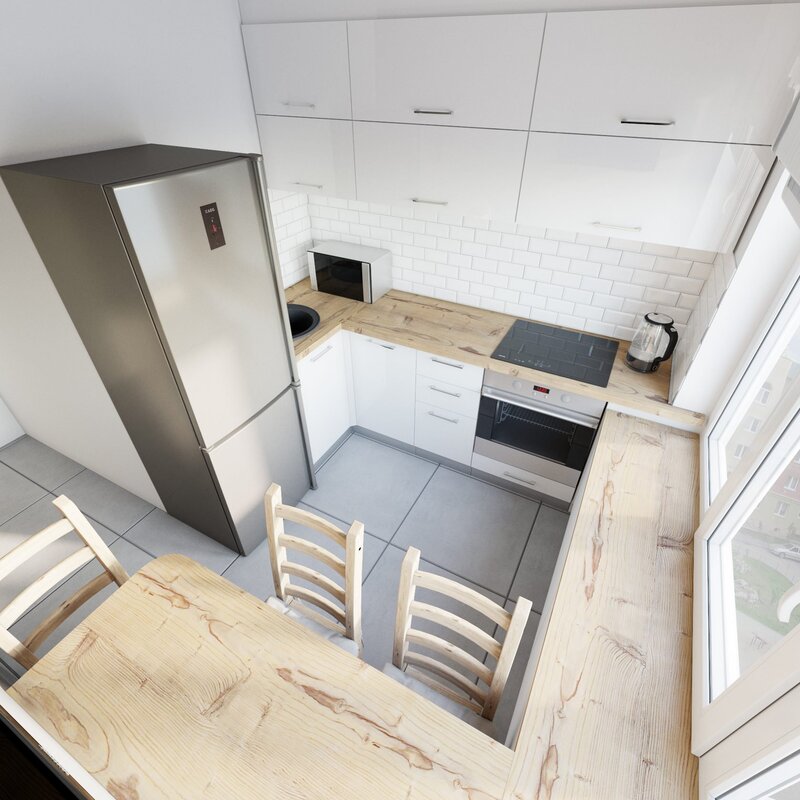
[166, 263]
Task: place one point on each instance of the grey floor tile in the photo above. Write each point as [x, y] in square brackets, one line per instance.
[510, 696]
[159, 533]
[104, 501]
[380, 603]
[16, 493]
[370, 482]
[130, 556]
[539, 559]
[19, 528]
[254, 574]
[471, 528]
[40, 463]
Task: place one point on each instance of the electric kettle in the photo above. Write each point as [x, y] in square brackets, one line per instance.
[652, 343]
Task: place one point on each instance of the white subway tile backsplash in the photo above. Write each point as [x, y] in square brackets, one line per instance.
[585, 281]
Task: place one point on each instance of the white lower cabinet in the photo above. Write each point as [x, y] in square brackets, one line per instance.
[325, 387]
[444, 433]
[522, 477]
[384, 378]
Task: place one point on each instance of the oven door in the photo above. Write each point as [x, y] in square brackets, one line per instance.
[556, 435]
[343, 277]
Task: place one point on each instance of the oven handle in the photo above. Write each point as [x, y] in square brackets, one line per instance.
[577, 417]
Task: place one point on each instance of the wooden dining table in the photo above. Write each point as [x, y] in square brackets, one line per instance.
[182, 685]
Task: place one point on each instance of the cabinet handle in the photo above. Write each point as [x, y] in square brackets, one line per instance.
[381, 344]
[318, 356]
[659, 123]
[311, 185]
[446, 419]
[444, 112]
[517, 478]
[447, 363]
[290, 104]
[631, 228]
[429, 202]
[443, 391]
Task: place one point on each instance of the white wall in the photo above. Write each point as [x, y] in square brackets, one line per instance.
[306, 10]
[85, 75]
[10, 429]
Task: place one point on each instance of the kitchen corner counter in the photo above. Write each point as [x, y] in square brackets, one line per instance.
[468, 334]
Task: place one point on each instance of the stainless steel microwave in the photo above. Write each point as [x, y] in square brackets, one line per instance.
[350, 270]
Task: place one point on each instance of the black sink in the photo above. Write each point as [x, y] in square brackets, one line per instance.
[302, 319]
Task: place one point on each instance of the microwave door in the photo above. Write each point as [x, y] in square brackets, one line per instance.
[340, 276]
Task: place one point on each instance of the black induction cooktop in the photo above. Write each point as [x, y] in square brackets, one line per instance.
[571, 354]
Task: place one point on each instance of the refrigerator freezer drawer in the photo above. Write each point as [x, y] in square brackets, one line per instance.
[268, 448]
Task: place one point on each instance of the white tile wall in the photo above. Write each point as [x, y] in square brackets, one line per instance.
[705, 308]
[593, 283]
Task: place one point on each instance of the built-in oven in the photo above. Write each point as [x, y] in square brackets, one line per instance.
[534, 435]
[350, 270]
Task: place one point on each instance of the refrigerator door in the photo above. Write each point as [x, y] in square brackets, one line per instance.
[269, 448]
[199, 247]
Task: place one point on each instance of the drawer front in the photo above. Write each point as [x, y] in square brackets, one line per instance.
[447, 396]
[523, 478]
[445, 433]
[449, 370]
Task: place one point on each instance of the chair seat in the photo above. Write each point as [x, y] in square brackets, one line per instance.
[456, 709]
[342, 642]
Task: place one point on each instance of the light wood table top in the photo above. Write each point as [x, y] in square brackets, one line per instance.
[609, 711]
[182, 685]
[452, 330]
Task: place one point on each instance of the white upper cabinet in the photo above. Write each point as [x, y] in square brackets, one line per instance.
[299, 69]
[688, 194]
[314, 156]
[463, 170]
[472, 71]
[725, 74]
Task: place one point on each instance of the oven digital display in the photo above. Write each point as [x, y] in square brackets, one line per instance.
[541, 389]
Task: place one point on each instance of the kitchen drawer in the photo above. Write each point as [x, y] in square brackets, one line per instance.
[447, 396]
[522, 477]
[468, 71]
[444, 433]
[449, 370]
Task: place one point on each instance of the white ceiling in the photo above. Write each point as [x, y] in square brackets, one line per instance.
[307, 10]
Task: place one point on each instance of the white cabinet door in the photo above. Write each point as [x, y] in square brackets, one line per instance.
[299, 69]
[444, 433]
[464, 170]
[383, 385]
[324, 384]
[688, 194]
[472, 71]
[308, 155]
[715, 74]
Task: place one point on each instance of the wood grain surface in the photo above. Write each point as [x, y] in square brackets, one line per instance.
[609, 712]
[452, 330]
[181, 685]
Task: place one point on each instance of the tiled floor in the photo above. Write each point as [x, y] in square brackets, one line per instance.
[498, 542]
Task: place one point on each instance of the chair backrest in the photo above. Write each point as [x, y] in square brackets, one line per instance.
[344, 617]
[93, 547]
[452, 683]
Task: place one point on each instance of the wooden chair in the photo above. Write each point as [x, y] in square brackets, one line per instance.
[340, 621]
[94, 547]
[437, 679]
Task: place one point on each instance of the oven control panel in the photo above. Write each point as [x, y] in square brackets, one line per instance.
[528, 390]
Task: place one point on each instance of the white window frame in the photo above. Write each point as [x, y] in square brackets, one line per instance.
[792, 484]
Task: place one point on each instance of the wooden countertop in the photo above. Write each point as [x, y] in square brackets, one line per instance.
[609, 710]
[471, 335]
[182, 685]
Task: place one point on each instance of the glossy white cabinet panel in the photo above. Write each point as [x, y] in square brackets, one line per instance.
[522, 477]
[687, 194]
[324, 384]
[450, 371]
[444, 433]
[724, 74]
[308, 155]
[447, 396]
[299, 69]
[383, 386]
[463, 170]
[473, 71]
